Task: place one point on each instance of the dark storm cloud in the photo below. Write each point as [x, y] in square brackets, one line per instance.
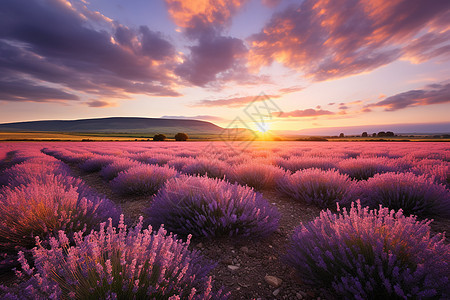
[331, 39]
[431, 94]
[51, 42]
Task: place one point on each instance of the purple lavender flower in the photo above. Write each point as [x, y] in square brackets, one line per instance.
[96, 163]
[110, 171]
[418, 195]
[142, 180]
[118, 263]
[377, 254]
[256, 174]
[209, 207]
[362, 168]
[319, 187]
[41, 209]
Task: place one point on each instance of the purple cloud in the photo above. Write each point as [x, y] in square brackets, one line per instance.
[52, 44]
[431, 94]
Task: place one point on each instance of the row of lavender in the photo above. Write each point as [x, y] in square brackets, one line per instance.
[414, 182]
[376, 259]
[79, 253]
[381, 254]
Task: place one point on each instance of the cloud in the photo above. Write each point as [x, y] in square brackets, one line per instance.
[52, 44]
[233, 102]
[431, 94]
[19, 89]
[211, 56]
[292, 89]
[100, 103]
[332, 39]
[188, 14]
[215, 58]
[306, 113]
[198, 117]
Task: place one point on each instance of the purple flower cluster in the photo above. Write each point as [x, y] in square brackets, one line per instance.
[418, 195]
[210, 167]
[110, 171]
[316, 186]
[42, 198]
[256, 174]
[377, 254]
[96, 163]
[296, 163]
[363, 168]
[116, 263]
[142, 180]
[206, 207]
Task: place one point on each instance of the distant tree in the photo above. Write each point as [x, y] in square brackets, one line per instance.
[374, 134]
[364, 134]
[381, 134]
[389, 133]
[341, 135]
[181, 136]
[159, 137]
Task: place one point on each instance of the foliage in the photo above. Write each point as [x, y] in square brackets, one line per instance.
[319, 187]
[377, 254]
[418, 195]
[208, 207]
[142, 180]
[116, 263]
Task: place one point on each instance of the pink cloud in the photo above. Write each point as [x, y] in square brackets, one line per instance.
[233, 102]
[332, 39]
[306, 113]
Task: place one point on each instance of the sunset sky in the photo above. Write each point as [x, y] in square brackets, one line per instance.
[324, 63]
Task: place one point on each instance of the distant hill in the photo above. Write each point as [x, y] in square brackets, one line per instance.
[117, 125]
[419, 128]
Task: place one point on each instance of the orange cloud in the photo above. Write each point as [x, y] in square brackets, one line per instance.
[332, 39]
[208, 11]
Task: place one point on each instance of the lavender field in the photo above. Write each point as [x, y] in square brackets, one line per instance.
[201, 220]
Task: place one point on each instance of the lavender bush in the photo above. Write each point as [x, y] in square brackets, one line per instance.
[377, 254]
[32, 171]
[211, 167]
[116, 263]
[41, 209]
[96, 163]
[256, 174]
[362, 168]
[296, 163]
[208, 207]
[142, 180]
[319, 187]
[418, 195]
[109, 172]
